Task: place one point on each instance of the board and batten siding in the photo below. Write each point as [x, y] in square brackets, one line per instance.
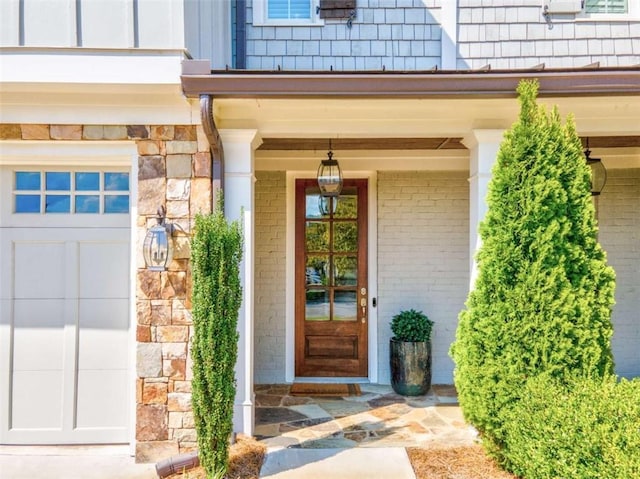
[92, 24]
[423, 257]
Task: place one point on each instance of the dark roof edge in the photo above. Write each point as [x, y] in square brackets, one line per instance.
[431, 84]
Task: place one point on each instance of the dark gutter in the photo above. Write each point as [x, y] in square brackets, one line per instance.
[433, 84]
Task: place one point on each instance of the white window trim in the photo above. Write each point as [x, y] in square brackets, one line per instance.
[632, 15]
[260, 18]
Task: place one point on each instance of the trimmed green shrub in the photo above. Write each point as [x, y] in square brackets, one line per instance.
[543, 296]
[587, 429]
[411, 325]
[216, 252]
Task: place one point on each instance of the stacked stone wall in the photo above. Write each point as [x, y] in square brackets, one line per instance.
[174, 171]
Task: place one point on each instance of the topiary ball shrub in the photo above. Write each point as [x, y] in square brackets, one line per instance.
[587, 429]
[411, 326]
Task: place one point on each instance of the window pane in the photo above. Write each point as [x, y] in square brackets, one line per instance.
[345, 270]
[317, 234]
[606, 6]
[87, 204]
[57, 204]
[345, 236]
[27, 180]
[347, 206]
[300, 9]
[27, 204]
[116, 181]
[58, 181]
[317, 305]
[313, 209]
[289, 9]
[316, 270]
[88, 181]
[116, 203]
[345, 307]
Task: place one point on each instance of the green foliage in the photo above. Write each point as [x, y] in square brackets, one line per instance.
[216, 252]
[543, 296]
[587, 429]
[411, 325]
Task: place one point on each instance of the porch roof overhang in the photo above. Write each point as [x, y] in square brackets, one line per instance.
[410, 115]
[587, 81]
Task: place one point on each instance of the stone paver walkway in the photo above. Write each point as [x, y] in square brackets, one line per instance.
[377, 418]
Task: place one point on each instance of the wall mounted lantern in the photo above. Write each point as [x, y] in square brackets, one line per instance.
[598, 172]
[158, 244]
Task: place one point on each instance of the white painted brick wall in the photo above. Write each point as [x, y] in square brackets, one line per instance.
[423, 239]
[270, 230]
[619, 217]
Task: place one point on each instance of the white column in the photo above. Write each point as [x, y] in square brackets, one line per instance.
[449, 40]
[483, 146]
[239, 148]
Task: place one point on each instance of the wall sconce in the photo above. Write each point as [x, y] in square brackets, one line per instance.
[598, 172]
[330, 176]
[158, 244]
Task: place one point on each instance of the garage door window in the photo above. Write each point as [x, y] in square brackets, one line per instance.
[71, 192]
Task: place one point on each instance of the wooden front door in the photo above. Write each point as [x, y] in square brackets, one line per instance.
[331, 281]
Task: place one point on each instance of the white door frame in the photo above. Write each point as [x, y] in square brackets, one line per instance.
[292, 176]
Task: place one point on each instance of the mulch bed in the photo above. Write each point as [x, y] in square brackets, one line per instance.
[464, 462]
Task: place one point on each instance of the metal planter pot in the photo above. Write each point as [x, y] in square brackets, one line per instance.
[410, 367]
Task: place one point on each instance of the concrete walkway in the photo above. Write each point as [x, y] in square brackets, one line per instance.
[71, 462]
[351, 463]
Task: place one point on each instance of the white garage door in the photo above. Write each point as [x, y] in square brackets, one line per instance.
[64, 286]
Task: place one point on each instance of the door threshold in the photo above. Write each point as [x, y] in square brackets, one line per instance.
[326, 380]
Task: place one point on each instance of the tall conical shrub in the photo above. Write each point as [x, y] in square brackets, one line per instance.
[216, 252]
[543, 296]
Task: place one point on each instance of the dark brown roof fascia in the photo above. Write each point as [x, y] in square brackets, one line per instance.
[437, 84]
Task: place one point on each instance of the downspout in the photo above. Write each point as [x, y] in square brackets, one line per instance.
[241, 26]
[184, 462]
[216, 149]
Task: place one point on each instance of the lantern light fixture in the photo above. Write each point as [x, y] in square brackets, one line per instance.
[598, 172]
[158, 244]
[330, 176]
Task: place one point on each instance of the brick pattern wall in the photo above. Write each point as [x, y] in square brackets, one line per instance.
[270, 274]
[394, 34]
[619, 220]
[514, 34]
[174, 170]
[423, 259]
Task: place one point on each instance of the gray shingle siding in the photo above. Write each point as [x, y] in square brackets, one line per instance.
[394, 34]
[406, 35]
[522, 38]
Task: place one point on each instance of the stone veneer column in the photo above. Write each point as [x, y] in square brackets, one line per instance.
[174, 170]
[483, 146]
[239, 148]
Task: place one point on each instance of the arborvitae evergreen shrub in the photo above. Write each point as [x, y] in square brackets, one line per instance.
[587, 429]
[542, 300]
[216, 252]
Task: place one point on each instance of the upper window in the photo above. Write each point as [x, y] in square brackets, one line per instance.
[606, 6]
[285, 12]
[71, 192]
[612, 9]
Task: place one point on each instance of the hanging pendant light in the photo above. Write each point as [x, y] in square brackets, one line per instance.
[157, 248]
[598, 172]
[330, 176]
